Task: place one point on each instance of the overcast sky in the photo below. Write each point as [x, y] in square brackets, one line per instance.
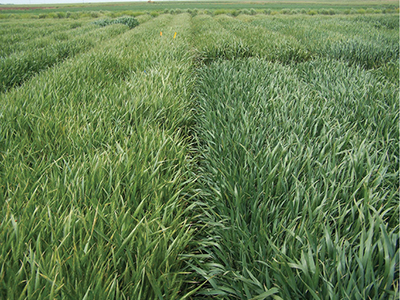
[58, 1]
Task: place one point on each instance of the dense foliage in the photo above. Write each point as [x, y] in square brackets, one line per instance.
[131, 22]
[200, 155]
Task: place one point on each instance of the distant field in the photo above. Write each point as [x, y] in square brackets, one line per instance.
[248, 153]
[339, 5]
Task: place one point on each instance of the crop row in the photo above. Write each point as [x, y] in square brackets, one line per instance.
[96, 172]
[18, 67]
[16, 30]
[294, 39]
[19, 36]
[286, 40]
[39, 38]
[300, 172]
[155, 11]
[369, 42]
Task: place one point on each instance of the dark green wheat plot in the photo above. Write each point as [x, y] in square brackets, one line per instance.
[300, 172]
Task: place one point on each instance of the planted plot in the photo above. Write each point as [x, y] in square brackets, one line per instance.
[36, 41]
[270, 45]
[212, 41]
[300, 175]
[21, 30]
[19, 67]
[200, 156]
[96, 173]
[368, 42]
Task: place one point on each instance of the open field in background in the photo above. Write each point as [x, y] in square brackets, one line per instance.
[253, 156]
[86, 10]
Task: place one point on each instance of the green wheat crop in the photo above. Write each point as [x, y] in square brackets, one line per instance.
[238, 153]
[96, 173]
[300, 169]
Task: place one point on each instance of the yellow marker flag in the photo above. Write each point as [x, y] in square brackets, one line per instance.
[160, 33]
[175, 35]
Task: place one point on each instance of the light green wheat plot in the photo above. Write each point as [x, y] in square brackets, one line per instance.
[96, 176]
